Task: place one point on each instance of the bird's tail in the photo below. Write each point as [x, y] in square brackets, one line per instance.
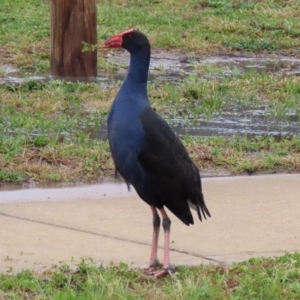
[200, 206]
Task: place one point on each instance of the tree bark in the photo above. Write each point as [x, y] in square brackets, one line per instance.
[73, 24]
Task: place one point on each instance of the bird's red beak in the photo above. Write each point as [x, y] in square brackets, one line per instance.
[116, 40]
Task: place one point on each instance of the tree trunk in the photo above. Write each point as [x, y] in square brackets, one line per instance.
[73, 29]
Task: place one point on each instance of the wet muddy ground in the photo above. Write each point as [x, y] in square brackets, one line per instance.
[174, 67]
[233, 120]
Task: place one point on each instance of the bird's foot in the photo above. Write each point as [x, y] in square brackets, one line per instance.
[162, 272]
[156, 271]
[152, 267]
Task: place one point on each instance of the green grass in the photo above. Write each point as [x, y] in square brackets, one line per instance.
[199, 97]
[258, 278]
[192, 25]
[47, 129]
[46, 159]
[239, 154]
[57, 106]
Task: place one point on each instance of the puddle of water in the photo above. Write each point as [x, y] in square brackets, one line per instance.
[279, 65]
[233, 121]
[172, 66]
[53, 193]
[248, 122]
[177, 66]
[98, 191]
[166, 66]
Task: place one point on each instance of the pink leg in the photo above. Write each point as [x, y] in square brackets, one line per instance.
[156, 226]
[166, 226]
[154, 263]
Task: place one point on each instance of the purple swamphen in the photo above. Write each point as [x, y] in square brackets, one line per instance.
[146, 151]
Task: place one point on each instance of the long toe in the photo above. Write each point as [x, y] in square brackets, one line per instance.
[152, 267]
[163, 272]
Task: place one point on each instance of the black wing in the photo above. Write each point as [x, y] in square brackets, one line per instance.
[175, 177]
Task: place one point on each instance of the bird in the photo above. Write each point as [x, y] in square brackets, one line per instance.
[148, 154]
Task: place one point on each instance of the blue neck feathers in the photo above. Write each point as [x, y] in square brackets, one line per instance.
[135, 82]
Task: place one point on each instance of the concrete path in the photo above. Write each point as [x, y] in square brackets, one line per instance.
[251, 216]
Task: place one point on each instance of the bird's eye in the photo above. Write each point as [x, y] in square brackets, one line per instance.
[129, 35]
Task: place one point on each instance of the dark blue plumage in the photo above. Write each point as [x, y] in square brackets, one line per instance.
[145, 150]
[125, 130]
